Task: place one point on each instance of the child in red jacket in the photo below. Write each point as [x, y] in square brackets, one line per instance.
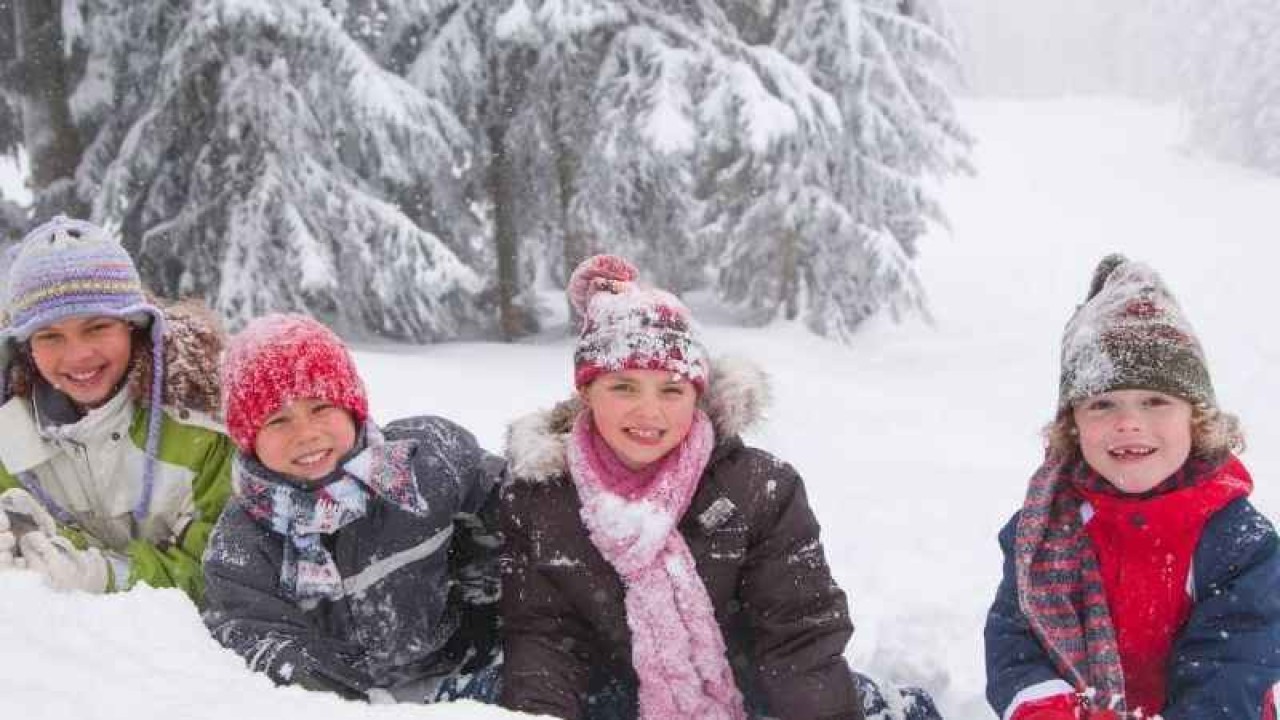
[1138, 577]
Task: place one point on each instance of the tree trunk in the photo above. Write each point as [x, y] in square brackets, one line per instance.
[574, 243]
[508, 82]
[51, 140]
[789, 287]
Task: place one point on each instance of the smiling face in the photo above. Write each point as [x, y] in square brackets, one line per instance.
[641, 414]
[85, 357]
[305, 439]
[1134, 438]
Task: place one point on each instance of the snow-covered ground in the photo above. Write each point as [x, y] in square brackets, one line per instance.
[915, 441]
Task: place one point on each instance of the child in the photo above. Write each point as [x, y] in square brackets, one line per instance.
[1138, 578]
[655, 566]
[351, 559]
[111, 470]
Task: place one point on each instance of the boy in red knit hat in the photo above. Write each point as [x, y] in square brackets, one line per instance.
[351, 558]
[1138, 578]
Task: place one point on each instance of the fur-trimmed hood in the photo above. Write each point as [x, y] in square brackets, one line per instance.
[193, 342]
[738, 394]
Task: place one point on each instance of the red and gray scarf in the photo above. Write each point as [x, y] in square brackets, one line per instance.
[1060, 585]
[677, 649]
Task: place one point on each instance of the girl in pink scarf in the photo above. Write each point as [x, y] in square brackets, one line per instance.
[643, 538]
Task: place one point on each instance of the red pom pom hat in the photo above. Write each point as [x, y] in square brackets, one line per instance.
[627, 326]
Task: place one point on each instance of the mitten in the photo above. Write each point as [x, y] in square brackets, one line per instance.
[64, 566]
[1055, 707]
[18, 502]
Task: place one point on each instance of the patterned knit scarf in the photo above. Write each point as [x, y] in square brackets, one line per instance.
[1060, 588]
[302, 514]
[677, 650]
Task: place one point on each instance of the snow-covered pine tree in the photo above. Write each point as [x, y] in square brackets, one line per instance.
[270, 163]
[558, 94]
[826, 222]
[1231, 78]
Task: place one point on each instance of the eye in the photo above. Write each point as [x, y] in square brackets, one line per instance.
[1100, 404]
[622, 387]
[1157, 401]
[674, 390]
[276, 421]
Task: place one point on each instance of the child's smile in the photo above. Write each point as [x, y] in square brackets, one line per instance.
[1134, 438]
[305, 439]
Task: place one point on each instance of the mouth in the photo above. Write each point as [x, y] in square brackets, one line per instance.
[85, 378]
[1131, 453]
[645, 436]
[313, 460]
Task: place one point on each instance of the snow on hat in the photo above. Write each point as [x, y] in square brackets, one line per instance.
[279, 358]
[72, 268]
[1131, 334]
[627, 326]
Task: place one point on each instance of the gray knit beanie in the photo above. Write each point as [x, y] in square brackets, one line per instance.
[1130, 334]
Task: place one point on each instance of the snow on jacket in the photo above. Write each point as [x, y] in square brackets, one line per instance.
[1217, 624]
[416, 588]
[754, 540]
[90, 470]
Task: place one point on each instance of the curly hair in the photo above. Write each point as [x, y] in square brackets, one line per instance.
[193, 342]
[1213, 433]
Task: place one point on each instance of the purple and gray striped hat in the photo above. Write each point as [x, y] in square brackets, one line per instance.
[67, 268]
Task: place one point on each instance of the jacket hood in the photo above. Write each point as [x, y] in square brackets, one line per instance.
[737, 397]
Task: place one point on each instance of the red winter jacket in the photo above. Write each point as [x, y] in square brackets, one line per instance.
[1144, 549]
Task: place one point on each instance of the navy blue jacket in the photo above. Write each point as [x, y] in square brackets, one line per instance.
[1224, 659]
[424, 590]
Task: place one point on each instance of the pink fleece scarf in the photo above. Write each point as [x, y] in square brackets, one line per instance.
[676, 647]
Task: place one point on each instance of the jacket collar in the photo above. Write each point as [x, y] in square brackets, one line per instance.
[737, 397]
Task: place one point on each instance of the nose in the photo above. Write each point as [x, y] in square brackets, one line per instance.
[78, 351]
[649, 405]
[306, 429]
[1128, 419]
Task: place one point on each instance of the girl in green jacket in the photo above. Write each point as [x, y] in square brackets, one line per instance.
[112, 469]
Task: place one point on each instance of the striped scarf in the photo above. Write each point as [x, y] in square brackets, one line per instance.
[303, 514]
[1060, 587]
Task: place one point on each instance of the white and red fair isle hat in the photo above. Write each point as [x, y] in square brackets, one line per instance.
[628, 326]
[279, 358]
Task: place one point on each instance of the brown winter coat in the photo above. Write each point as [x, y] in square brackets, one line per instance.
[755, 541]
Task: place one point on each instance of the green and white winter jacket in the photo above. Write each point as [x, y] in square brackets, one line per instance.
[88, 471]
